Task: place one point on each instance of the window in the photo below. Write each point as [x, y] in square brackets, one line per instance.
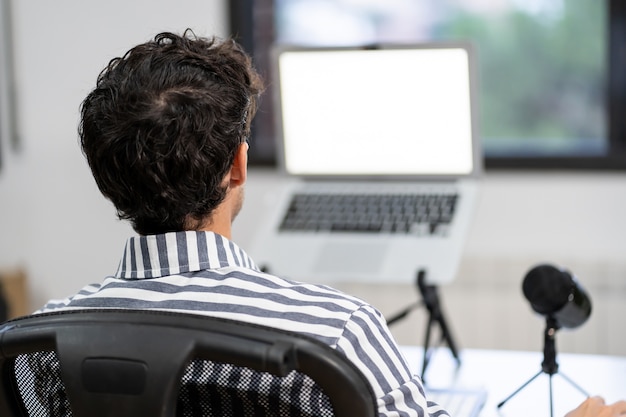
[545, 67]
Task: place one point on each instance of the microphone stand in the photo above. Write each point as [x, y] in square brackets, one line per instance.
[549, 364]
[430, 299]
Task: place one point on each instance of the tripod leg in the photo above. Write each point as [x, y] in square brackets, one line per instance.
[427, 350]
[402, 314]
[445, 333]
[519, 389]
[575, 385]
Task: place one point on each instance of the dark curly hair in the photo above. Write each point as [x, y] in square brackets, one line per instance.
[161, 128]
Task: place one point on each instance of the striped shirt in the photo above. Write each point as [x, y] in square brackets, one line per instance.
[205, 273]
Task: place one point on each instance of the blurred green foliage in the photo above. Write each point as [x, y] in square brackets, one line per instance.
[542, 78]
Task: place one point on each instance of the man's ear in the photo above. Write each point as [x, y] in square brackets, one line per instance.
[239, 169]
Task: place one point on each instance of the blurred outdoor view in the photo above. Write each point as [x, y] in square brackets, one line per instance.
[542, 63]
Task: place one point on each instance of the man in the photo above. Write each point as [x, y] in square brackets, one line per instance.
[164, 133]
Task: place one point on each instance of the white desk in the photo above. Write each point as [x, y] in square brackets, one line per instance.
[503, 372]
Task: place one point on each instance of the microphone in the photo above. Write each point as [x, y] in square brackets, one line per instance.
[555, 293]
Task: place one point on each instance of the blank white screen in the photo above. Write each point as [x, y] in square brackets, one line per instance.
[376, 112]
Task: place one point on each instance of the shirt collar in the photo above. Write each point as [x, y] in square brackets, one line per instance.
[179, 252]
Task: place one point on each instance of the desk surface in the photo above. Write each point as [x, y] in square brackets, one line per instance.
[503, 372]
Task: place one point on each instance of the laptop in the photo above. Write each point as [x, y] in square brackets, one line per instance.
[392, 125]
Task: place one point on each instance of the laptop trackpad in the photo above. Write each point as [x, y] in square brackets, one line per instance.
[365, 257]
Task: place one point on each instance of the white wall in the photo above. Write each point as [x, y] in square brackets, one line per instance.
[54, 222]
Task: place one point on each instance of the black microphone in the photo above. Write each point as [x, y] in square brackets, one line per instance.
[556, 294]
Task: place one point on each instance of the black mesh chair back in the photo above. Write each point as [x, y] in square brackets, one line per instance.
[123, 363]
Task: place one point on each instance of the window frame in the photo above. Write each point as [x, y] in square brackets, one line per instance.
[244, 28]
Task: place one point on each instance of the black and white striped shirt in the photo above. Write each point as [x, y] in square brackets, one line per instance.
[205, 273]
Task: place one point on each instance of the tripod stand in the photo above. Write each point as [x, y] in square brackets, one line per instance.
[549, 364]
[430, 299]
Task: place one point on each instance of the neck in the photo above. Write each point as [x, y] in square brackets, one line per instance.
[219, 224]
[221, 219]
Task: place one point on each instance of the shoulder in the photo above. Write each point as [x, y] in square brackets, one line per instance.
[57, 304]
[298, 289]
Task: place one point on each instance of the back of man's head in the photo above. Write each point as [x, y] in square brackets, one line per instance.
[161, 128]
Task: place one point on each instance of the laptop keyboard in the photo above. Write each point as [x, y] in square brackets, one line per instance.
[423, 214]
[459, 403]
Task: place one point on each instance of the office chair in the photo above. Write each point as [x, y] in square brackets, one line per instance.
[94, 363]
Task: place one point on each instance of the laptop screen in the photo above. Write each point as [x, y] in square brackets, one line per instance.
[400, 111]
